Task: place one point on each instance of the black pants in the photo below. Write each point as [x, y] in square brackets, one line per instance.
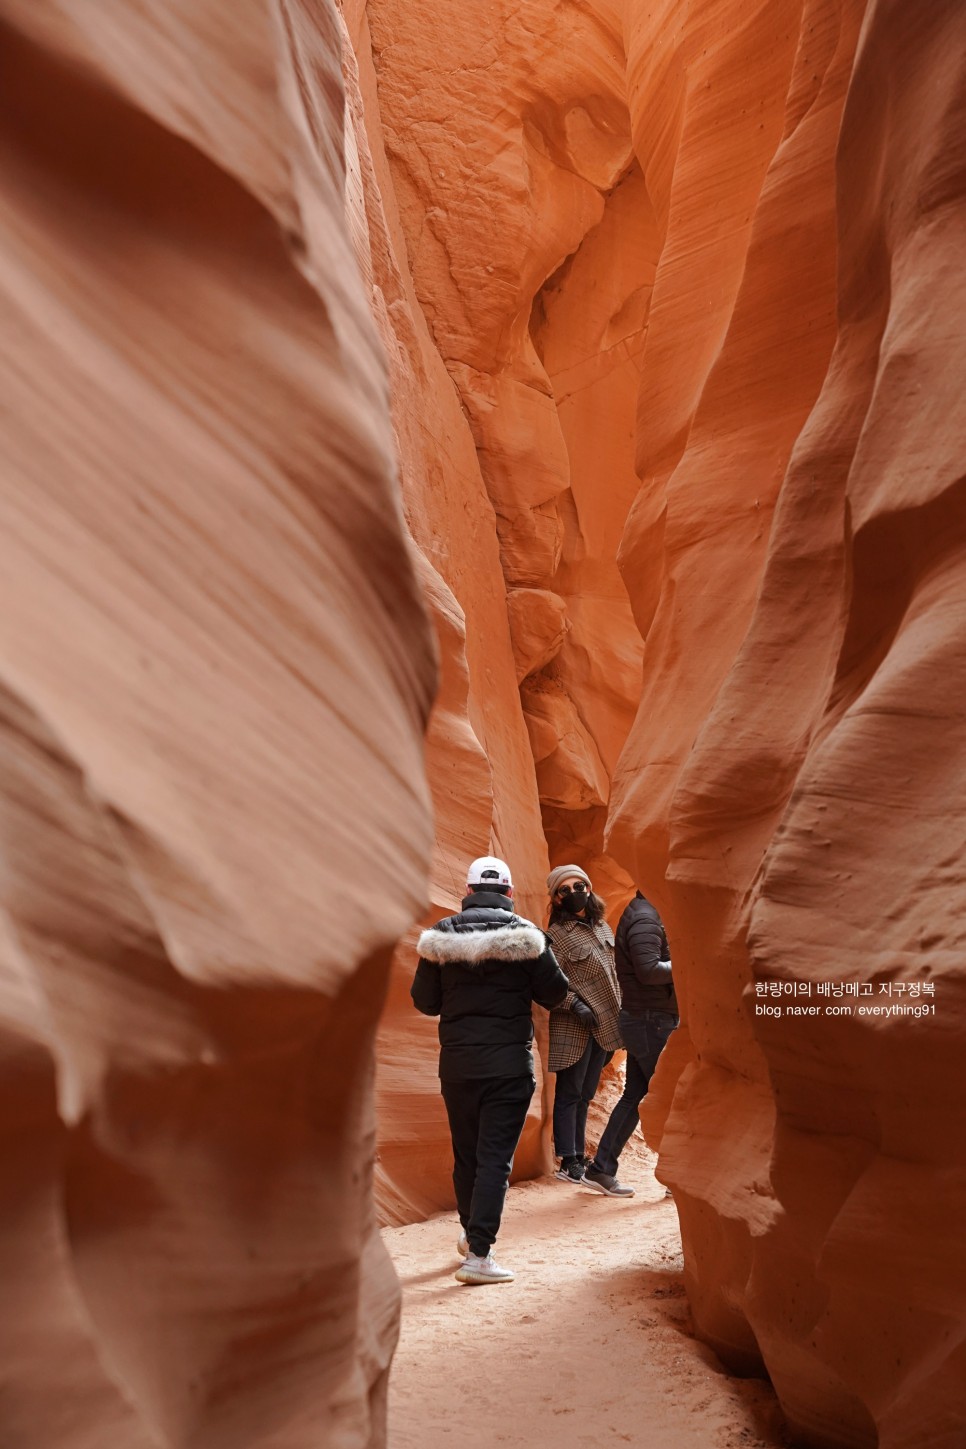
[572, 1096]
[486, 1117]
[645, 1037]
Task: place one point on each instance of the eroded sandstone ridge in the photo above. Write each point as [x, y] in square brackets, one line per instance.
[215, 672]
[799, 811]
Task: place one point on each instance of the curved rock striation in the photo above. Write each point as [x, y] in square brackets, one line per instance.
[477, 750]
[215, 673]
[530, 238]
[796, 812]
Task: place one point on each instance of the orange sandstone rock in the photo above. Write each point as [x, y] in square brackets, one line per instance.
[532, 242]
[795, 819]
[538, 627]
[215, 672]
[478, 756]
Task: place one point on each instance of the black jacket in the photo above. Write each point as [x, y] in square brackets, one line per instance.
[643, 960]
[480, 972]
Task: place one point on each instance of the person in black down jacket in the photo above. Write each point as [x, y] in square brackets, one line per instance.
[649, 1013]
[479, 972]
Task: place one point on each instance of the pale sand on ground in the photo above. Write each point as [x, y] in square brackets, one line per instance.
[589, 1346]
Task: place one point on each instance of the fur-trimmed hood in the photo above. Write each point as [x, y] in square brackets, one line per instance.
[482, 933]
[522, 942]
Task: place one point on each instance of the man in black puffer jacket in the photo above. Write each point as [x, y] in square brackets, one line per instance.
[649, 1013]
[479, 972]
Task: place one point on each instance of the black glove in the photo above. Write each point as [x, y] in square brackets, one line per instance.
[584, 1014]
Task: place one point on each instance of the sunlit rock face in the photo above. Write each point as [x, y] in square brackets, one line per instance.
[526, 241]
[478, 755]
[796, 561]
[215, 672]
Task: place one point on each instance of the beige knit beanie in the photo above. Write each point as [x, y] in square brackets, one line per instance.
[561, 872]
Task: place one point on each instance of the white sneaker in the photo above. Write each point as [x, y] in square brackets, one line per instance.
[462, 1246]
[482, 1270]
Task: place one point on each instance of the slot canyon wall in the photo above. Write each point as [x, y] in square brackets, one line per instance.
[216, 668]
[799, 813]
[617, 345]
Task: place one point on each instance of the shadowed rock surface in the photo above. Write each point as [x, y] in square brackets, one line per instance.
[215, 671]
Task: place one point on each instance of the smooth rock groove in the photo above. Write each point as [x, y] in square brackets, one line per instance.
[215, 672]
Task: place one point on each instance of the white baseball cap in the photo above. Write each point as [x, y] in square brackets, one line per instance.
[489, 871]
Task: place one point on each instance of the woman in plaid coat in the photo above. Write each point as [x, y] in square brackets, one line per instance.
[584, 1031]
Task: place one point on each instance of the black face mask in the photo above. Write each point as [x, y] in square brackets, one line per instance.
[573, 904]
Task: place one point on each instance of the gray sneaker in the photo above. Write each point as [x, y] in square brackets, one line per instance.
[482, 1270]
[604, 1182]
[462, 1246]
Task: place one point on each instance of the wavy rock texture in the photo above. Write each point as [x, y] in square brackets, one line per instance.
[215, 671]
[671, 308]
[478, 755]
[531, 242]
[803, 799]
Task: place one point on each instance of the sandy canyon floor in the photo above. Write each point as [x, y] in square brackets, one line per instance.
[590, 1345]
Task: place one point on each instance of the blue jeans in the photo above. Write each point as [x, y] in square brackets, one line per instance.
[645, 1037]
[572, 1096]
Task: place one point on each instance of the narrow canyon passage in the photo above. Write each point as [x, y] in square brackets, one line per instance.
[590, 1344]
[434, 430]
